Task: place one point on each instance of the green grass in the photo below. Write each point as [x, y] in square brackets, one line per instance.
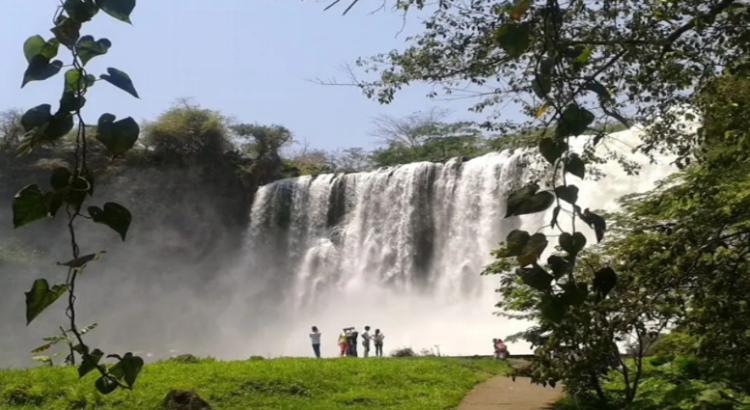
[285, 383]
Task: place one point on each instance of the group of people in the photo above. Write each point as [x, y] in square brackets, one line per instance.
[501, 350]
[347, 341]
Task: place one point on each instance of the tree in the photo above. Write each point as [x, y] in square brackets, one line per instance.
[71, 186]
[188, 134]
[350, 160]
[412, 130]
[11, 129]
[263, 144]
[567, 65]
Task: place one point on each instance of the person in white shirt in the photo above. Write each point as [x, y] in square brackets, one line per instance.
[366, 341]
[315, 339]
[378, 339]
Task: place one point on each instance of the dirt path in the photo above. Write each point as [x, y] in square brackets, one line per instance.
[501, 393]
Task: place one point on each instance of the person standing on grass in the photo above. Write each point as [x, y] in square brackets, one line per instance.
[378, 339]
[343, 340]
[366, 341]
[315, 339]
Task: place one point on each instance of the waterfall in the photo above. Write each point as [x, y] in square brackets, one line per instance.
[400, 249]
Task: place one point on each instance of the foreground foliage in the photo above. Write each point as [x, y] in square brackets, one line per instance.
[411, 383]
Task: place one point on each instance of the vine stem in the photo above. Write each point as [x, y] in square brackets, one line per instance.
[80, 169]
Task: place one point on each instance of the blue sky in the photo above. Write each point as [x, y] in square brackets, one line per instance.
[247, 58]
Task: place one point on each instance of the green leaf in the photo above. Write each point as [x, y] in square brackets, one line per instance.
[537, 278]
[67, 32]
[595, 222]
[559, 265]
[71, 102]
[29, 205]
[113, 215]
[574, 165]
[56, 128]
[82, 261]
[552, 149]
[583, 57]
[518, 197]
[574, 121]
[514, 38]
[573, 244]
[537, 203]
[80, 10]
[40, 297]
[60, 178]
[89, 363]
[36, 117]
[104, 385]
[533, 249]
[600, 90]
[54, 201]
[35, 45]
[118, 136]
[574, 294]
[42, 348]
[119, 9]
[88, 48]
[40, 69]
[72, 77]
[552, 308]
[515, 242]
[604, 281]
[568, 193]
[120, 80]
[542, 83]
[128, 368]
[519, 9]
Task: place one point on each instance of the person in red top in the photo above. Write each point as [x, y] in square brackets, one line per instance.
[501, 351]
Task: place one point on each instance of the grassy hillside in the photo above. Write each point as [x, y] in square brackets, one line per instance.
[286, 383]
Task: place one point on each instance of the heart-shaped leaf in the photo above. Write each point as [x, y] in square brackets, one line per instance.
[36, 117]
[113, 215]
[128, 368]
[56, 128]
[514, 38]
[67, 31]
[552, 149]
[595, 222]
[88, 48]
[60, 178]
[536, 277]
[533, 249]
[515, 242]
[40, 297]
[572, 244]
[71, 102]
[35, 45]
[537, 203]
[40, 69]
[118, 136]
[119, 9]
[604, 281]
[574, 121]
[80, 10]
[518, 197]
[105, 385]
[120, 80]
[89, 363]
[568, 193]
[519, 9]
[574, 165]
[29, 205]
[73, 81]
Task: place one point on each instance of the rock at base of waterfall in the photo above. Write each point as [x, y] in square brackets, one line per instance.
[184, 400]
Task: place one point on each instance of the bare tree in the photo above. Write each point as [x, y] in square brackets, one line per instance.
[411, 130]
[11, 130]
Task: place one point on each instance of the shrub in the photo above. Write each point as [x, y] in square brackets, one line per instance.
[404, 352]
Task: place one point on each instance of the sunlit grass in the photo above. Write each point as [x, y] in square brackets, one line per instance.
[285, 383]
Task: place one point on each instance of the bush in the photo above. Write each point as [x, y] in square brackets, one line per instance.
[404, 352]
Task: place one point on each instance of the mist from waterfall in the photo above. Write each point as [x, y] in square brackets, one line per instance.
[399, 248]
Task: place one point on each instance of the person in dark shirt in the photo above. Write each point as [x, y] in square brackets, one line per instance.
[355, 335]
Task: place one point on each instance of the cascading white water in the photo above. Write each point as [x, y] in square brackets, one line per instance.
[400, 249]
